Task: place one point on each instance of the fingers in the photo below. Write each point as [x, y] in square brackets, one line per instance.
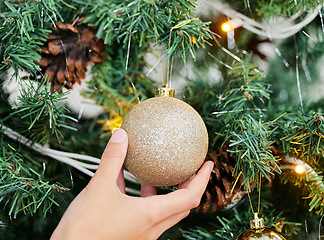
[188, 195]
[147, 190]
[199, 181]
[113, 157]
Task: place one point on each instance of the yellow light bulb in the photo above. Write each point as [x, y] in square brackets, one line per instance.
[300, 169]
[226, 27]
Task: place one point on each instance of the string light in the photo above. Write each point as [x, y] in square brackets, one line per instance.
[231, 24]
[274, 30]
[226, 27]
[300, 169]
[78, 161]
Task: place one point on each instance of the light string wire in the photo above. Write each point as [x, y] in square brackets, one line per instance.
[278, 30]
[71, 159]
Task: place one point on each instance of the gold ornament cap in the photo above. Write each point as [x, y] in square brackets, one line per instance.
[257, 223]
[164, 91]
[259, 231]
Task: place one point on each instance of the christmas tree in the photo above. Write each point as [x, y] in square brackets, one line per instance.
[72, 69]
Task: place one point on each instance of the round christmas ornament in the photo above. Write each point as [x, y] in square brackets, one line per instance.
[259, 231]
[168, 140]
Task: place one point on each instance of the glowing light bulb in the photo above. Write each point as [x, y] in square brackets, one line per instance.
[232, 24]
[300, 169]
[226, 27]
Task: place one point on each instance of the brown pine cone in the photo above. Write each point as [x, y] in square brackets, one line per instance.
[68, 52]
[218, 193]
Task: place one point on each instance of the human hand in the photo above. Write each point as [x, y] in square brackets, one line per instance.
[103, 211]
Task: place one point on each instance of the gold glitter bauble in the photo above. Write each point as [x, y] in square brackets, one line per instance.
[259, 231]
[168, 141]
[260, 234]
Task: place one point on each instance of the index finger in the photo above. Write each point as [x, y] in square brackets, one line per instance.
[113, 157]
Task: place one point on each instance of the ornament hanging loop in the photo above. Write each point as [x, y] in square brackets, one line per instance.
[259, 200]
[258, 230]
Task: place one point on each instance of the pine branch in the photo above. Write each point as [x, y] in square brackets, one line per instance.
[241, 108]
[141, 21]
[239, 104]
[41, 113]
[277, 8]
[250, 141]
[118, 87]
[301, 136]
[310, 183]
[21, 188]
[77, 161]
[247, 91]
[23, 28]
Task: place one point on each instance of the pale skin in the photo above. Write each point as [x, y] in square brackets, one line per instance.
[103, 211]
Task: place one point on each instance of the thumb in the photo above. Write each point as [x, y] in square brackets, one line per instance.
[113, 157]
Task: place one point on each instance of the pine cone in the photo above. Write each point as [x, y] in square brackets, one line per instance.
[218, 192]
[67, 53]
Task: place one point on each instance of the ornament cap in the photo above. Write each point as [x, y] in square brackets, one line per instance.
[164, 91]
[257, 223]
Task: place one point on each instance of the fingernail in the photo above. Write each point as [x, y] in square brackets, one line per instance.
[118, 136]
[211, 166]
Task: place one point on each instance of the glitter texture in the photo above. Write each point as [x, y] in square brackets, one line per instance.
[168, 141]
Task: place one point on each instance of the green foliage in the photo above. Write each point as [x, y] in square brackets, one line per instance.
[41, 113]
[118, 87]
[238, 105]
[23, 29]
[308, 45]
[276, 8]
[250, 141]
[301, 136]
[246, 88]
[21, 188]
[311, 185]
[242, 117]
[142, 21]
[241, 109]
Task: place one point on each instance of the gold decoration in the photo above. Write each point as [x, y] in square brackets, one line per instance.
[168, 141]
[164, 92]
[112, 124]
[259, 231]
